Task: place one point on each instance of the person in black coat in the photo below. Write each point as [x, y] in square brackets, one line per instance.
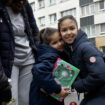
[18, 31]
[85, 56]
[49, 49]
[5, 88]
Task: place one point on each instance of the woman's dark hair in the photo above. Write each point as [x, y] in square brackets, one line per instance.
[45, 34]
[64, 18]
[14, 1]
[4, 1]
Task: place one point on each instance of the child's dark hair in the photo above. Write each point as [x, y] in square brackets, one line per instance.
[45, 34]
[64, 18]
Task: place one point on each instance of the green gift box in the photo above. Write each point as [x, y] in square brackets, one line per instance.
[64, 74]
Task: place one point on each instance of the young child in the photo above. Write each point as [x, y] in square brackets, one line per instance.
[85, 56]
[50, 48]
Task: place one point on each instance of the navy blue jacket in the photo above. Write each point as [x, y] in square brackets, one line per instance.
[91, 79]
[43, 78]
[7, 44]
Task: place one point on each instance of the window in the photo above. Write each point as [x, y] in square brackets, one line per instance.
[41, 4]
[53, 18]
[102, 26]
[83, 11]
[93, 30]
[74, 12]
[103, 48]
[102, 5]
[69, 12]
[33, 6]
[52, 2]
[92, 10]
[90, 30]
[63, 0]
[87, 10]
[42, 21]
[65, 13]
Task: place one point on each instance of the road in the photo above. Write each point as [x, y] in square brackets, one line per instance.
[73, 97]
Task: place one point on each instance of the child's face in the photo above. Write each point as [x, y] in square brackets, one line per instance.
[57, 42]
[68, 30]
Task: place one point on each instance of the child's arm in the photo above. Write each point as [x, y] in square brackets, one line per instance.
[43, 74]
[63, 93]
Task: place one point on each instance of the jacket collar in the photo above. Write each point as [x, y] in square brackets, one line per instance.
[81, 37]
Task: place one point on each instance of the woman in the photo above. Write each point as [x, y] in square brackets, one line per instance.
[18, 30]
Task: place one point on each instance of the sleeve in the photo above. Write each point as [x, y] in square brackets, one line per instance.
[95, 67]
[32, 21]
[43, 74]
[5, 89]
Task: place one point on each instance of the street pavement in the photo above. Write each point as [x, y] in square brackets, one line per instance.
[73, 97]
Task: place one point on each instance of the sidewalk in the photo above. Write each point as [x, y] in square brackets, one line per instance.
[73, 97]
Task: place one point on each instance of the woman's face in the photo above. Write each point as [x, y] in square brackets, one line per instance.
[68, 30]
[17, 5]
[7, 2]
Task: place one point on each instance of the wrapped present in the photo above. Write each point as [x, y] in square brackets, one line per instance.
[64, 74]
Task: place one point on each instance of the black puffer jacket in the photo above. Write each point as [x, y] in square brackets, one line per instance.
[7, 44]
[43, 78]
[5, 89]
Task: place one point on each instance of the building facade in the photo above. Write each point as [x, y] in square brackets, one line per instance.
[92, 21]
[89, 14]
[48, 12]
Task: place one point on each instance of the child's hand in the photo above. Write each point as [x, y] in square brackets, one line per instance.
[64, 92]
[42, 90]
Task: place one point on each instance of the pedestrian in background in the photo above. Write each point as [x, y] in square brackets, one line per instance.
[18, 32]
[85, 56]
